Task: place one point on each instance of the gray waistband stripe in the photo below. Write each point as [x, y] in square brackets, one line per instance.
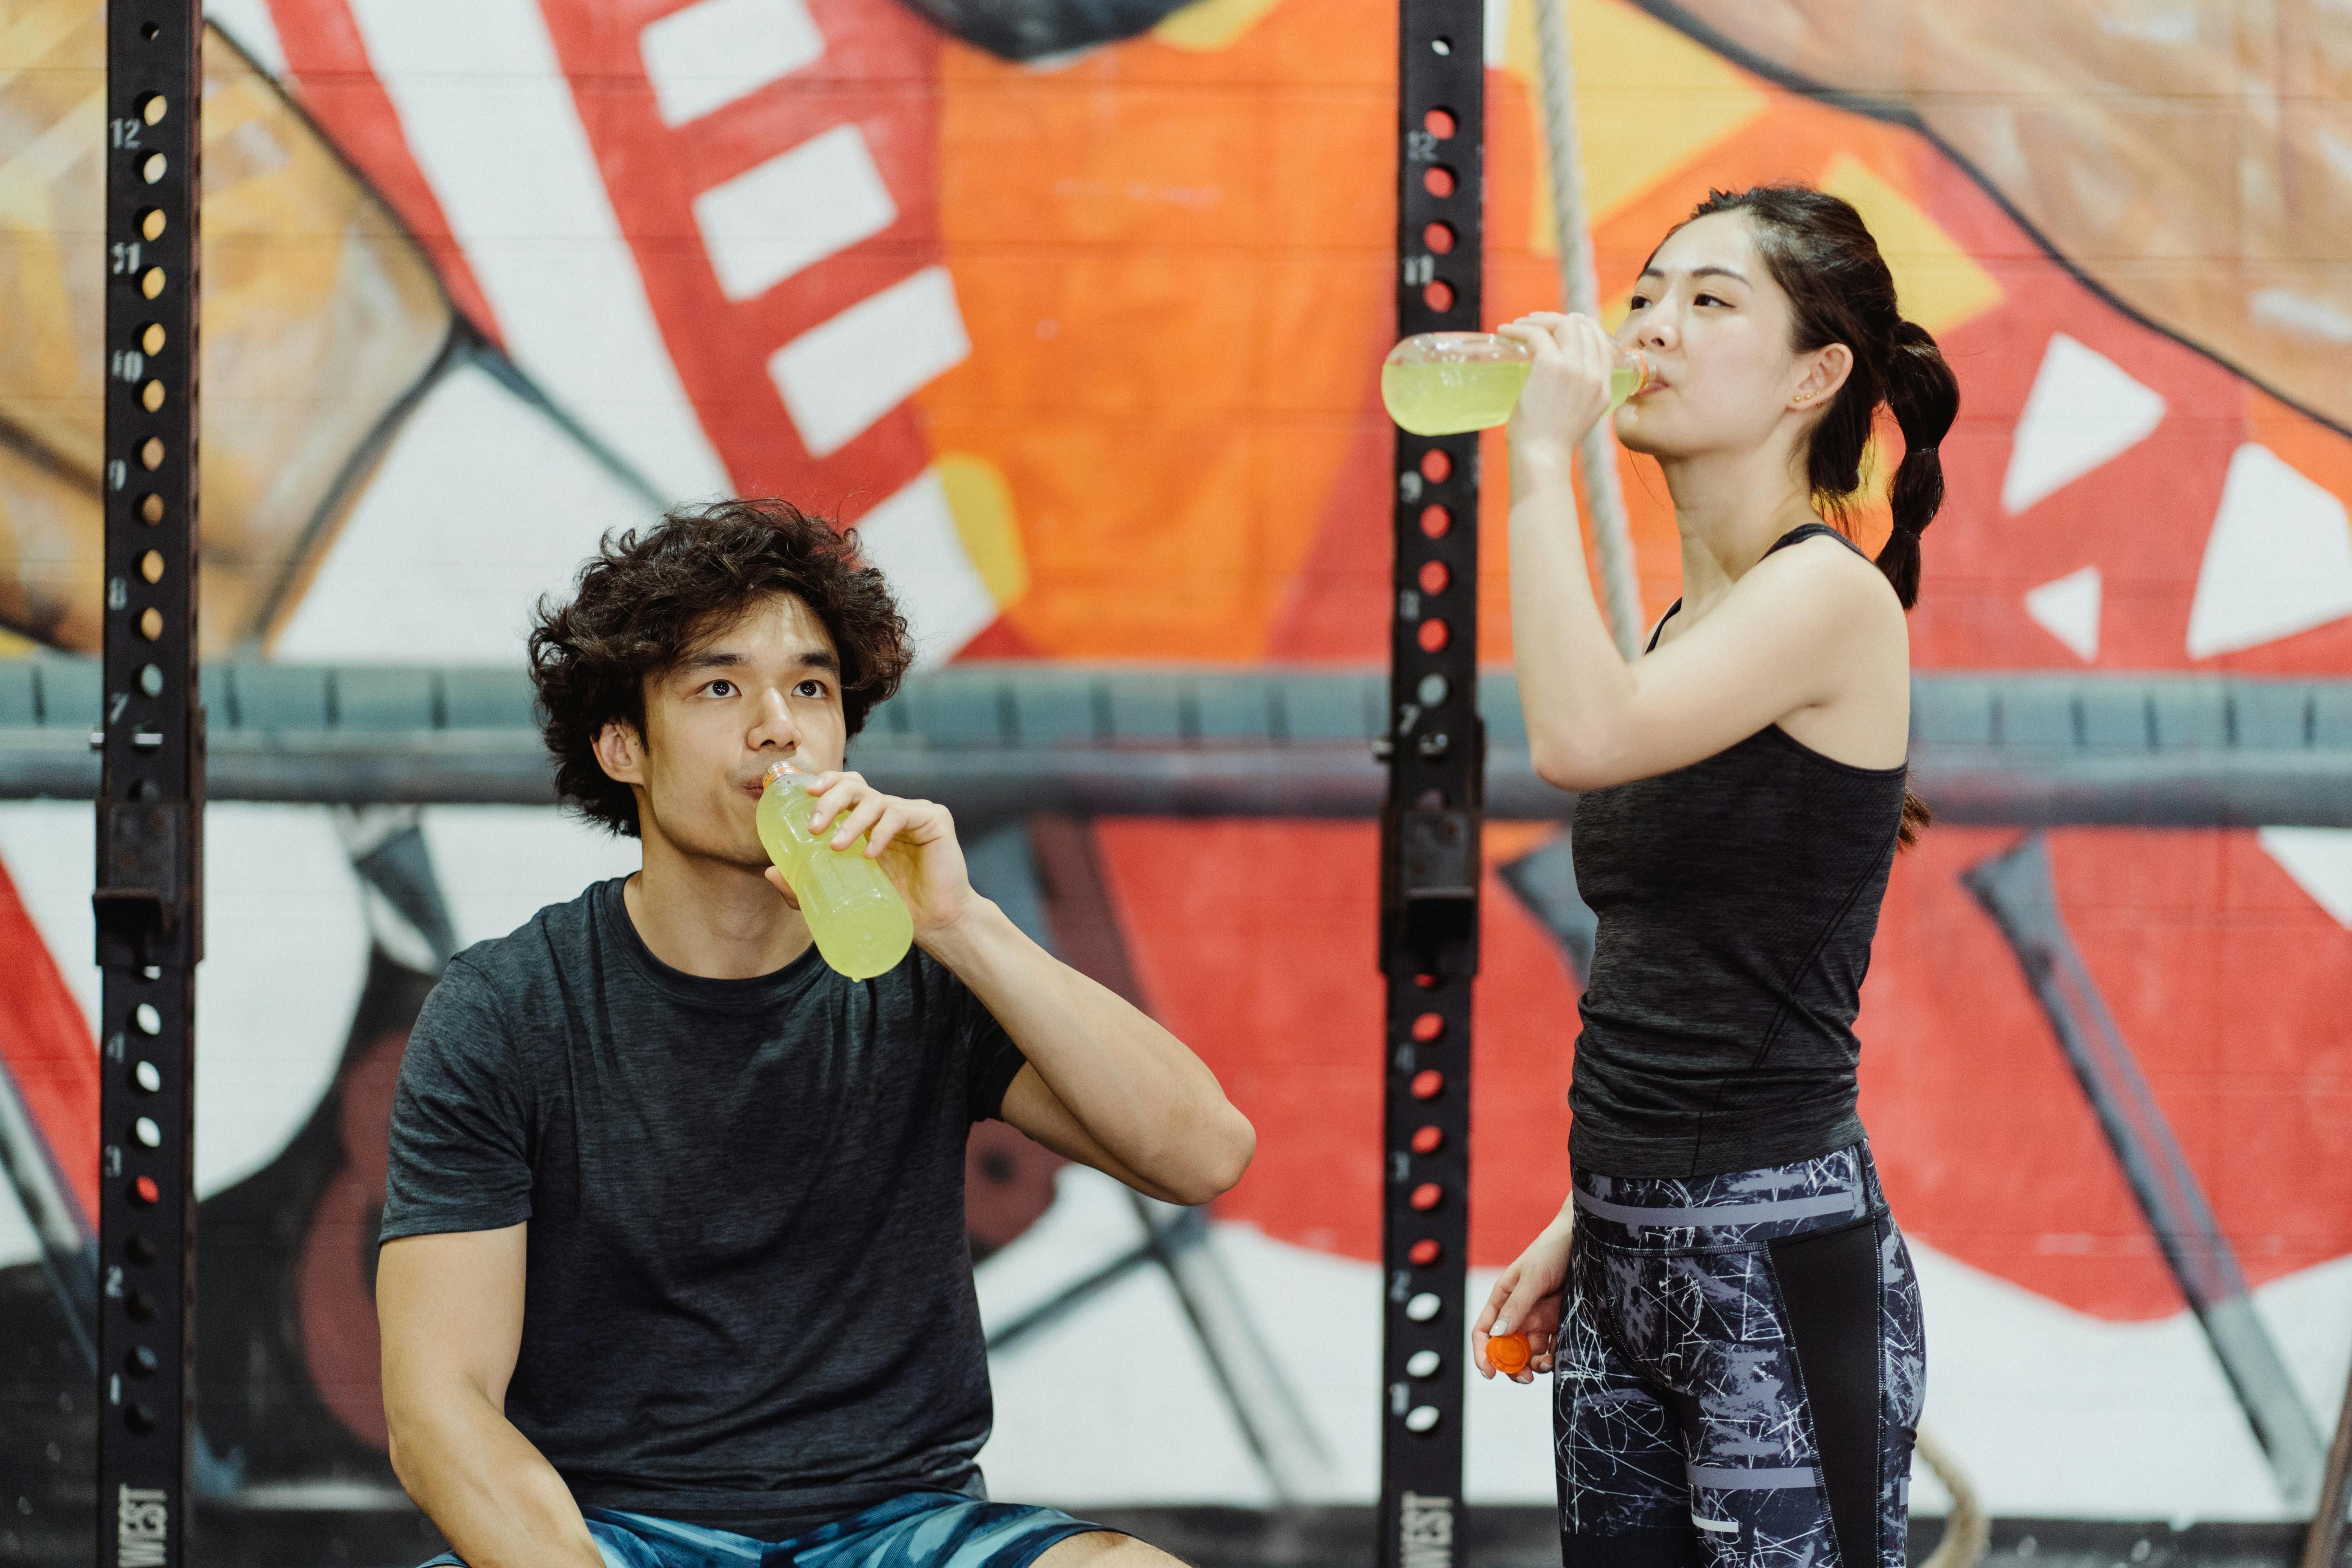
[1727, 1213]
[1723, 1478]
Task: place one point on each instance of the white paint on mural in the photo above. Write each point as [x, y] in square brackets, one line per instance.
[489, 118]
[2320, 861]
[840, 376]
[249, 24]
[2068, 609]
[792, 211]
[286, 950]
[2084, 411]
[499, 865]
[18, 1241]
[482, 505]
[2278, 562]
[713, 52]
[911, 538]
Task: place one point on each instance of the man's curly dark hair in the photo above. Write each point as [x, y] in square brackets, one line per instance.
[650, 595]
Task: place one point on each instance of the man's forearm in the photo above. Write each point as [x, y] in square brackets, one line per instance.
[1147, 1099]
[496, 1497]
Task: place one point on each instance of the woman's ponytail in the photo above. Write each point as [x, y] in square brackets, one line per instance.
[1926, 397]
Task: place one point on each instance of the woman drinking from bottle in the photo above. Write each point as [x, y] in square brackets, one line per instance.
[1723, 1301]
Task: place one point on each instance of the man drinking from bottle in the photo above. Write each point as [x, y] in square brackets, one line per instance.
[673, 1268]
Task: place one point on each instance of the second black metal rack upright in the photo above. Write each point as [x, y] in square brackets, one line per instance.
[1430, 826]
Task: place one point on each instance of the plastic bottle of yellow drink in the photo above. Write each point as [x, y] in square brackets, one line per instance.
[859, 919]
[1441, 383]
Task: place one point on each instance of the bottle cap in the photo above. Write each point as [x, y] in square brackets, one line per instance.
[777, 771]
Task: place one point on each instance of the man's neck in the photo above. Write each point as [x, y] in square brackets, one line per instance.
[710, 918]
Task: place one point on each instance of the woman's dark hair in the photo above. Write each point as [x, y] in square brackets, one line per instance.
[1821, 255]
[648, 598]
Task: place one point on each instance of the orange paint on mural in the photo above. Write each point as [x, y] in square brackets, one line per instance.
[1174, 268]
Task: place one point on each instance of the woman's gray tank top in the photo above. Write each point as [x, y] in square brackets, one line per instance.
[1737, 900]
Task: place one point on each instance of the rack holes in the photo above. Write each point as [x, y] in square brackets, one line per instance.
[1424, 1252]
[153, 222]
[151, 623]
[1435, 577]
[150, 565]
[151, 509]
[1440, 123]
[148, 1077]
[147, 1021]
[152, 338]
[1428, 982]
[1428, 1084]
[142, 1420]
[1432, 691]
[1429, 1026]
[1422, 1363]
[1437, 179]
[151, 284]
[1437, 522]
[1440, 45]
[1426, 1196]
[1422, 1420]
[1425, 1307]
[150, 453]
[1428, 1140]
[153, 107]
[141, 1306]
[1434, 634]
[137, 1248]
[1437, 238]
[1437, 294]
[153, 168]
[151, 396]
[151, 32]
[141, 1361]
[1435, 466]
[149, 1134]
[151, 679]
[145, 1192]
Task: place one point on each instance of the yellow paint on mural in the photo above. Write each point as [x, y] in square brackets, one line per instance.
[1211, 24]
[982, 503]
[1648, 100]
[1939, 283]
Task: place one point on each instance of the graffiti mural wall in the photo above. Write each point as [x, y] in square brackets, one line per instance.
[1075, 311]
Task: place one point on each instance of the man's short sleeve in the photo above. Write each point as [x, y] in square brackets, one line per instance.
[460, 1127]
[995, 1060]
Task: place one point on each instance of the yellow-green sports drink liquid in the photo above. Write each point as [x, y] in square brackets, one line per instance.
[860, 923]
[1441, 383]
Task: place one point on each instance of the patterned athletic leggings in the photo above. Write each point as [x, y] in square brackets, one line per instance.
[1739, 1372]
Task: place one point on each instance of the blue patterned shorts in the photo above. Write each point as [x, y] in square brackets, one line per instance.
[915, 1529]
[1738, 1373]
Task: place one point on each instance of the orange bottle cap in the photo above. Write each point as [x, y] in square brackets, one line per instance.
[1508, 1353]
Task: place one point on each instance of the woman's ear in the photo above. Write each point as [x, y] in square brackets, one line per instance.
[621, 753]
[1825, 372]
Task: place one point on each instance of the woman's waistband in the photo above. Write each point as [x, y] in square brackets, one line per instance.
[1736, 1208]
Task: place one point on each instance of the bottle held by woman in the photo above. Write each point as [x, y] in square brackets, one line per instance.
[1741, 795]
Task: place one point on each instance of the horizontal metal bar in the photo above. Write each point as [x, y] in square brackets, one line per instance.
[1321, 780]
[992, 739]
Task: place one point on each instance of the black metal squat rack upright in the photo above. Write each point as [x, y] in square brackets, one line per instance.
[1435, 749]
[151, 805]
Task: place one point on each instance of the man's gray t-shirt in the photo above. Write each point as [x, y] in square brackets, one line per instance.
[749, 1302]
